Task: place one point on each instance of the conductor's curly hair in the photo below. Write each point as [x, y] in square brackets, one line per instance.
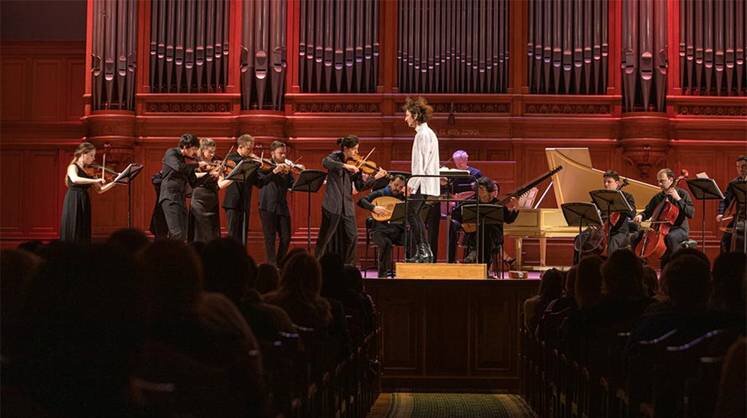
[419, 108]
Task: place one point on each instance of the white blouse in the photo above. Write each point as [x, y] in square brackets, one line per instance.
[425, 160]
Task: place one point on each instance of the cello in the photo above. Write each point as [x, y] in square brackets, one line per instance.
[662, 219]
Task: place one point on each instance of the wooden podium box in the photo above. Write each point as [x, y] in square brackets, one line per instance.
[441, 271]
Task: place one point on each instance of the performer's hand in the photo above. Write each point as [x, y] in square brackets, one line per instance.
[202, 164]
[101, 180]
[351, 168]
[513, 204]
[444, 181]
[380, 210]
[673, 193]
[719, 218]
[381, 173]
[638, 219]
[280, 168]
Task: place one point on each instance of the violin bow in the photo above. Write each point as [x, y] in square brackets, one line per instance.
[363, 161]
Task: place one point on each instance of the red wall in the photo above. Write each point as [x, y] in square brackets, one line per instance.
[43, 87]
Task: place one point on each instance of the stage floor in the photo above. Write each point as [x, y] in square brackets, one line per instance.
[531, 275]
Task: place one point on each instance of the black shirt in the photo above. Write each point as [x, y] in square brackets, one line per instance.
[687, 210]
[729, 197]
[338, 196]
[272, 196]
[622, 224]
[176, 176]
[239, 193]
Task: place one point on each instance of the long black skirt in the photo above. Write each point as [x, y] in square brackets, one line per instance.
[75, 225]
[204, 215]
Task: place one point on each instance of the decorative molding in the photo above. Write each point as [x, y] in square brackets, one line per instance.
[189, 107]
[336, 108]
[711, 110]
[469, 107]
[568, 109]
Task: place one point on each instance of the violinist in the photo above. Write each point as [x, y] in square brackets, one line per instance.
[273, 203]
[425, 161]
[385, 234]
[678, 197]
[204, 216]
[237, 202]
[176, 176]
[620, 231]
[338, 208]
[730, 203]
[75, 225]
[490, 234]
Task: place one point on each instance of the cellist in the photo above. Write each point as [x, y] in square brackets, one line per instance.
[678, 197]
[729, 200]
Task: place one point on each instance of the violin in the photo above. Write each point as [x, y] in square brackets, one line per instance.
[662, 220]
[95, 170]
[365, 165]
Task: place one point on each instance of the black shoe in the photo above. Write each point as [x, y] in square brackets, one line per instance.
[423, 253]
[427, 253]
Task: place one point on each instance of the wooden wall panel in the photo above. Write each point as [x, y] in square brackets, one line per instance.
[39, 192]
[11, 212]
[14, 72]
[47, 92]
[463, 332]
[74, 102]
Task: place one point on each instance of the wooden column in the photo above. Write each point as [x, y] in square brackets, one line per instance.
[614, 58]
[388, 30]
[674, 86]
[292, 26]
[518, 82]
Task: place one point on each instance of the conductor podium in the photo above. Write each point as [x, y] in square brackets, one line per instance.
[441, 271]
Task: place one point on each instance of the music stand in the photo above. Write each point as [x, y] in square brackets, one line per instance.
[609, 201]
[581, 214]
[126, 177]
[309, 181]
[481, 215]
[739, 190]
[704, 189]
[241, 173]
[399, 213]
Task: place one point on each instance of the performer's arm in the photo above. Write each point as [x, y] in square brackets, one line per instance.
[365, 202]
[331, 163]
[686, 204]
[509, 216]
[72, 172]
[649, 210]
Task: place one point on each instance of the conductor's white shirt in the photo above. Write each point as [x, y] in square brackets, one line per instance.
[425, 160]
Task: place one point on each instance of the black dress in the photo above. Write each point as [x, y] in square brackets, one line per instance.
[204, 216]
[76, 211]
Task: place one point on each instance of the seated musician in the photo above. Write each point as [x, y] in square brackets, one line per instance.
[386, 234]
[726, 205]
[678, 233]
[620, 231]
[460, 188]
[491, 234]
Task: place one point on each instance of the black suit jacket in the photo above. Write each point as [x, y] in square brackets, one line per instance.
[338, 196]
[176, 175]
[239, 193]
[687, 209]
[273, 195]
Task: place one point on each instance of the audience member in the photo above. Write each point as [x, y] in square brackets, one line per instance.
[268, 278]
[130, 240]
[551, 288]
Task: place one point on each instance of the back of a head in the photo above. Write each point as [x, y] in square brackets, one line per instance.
[693, 252]
[685, 280]
[292, 252]
[730, 282]
[227, 268]
[302, 277]
[333, 274]
[172, 279]
[268, 278]
[551, 286]
[353, 279]
[589, 281]
[83, 329]
[17, 268]
[623, 276]
[650, 281]
[569, 285]
[130, 240]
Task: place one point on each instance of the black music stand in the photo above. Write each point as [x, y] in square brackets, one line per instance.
[739, 190]
[609, 201]
[399, 213]
[581, 214]
[241, 173]
[309, 181]
[481, 215]
[126, 177]
[704, 189]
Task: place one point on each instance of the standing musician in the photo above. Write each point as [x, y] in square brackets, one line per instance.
[237, 201]
[385, 234]
[338, 208]
[678, 197]
[176, 176]
[459, 188]
[620, 231]
[425, 161]
[203, 215]
[490, 234]
[729, 200]
[273, 203]
[75, 225]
